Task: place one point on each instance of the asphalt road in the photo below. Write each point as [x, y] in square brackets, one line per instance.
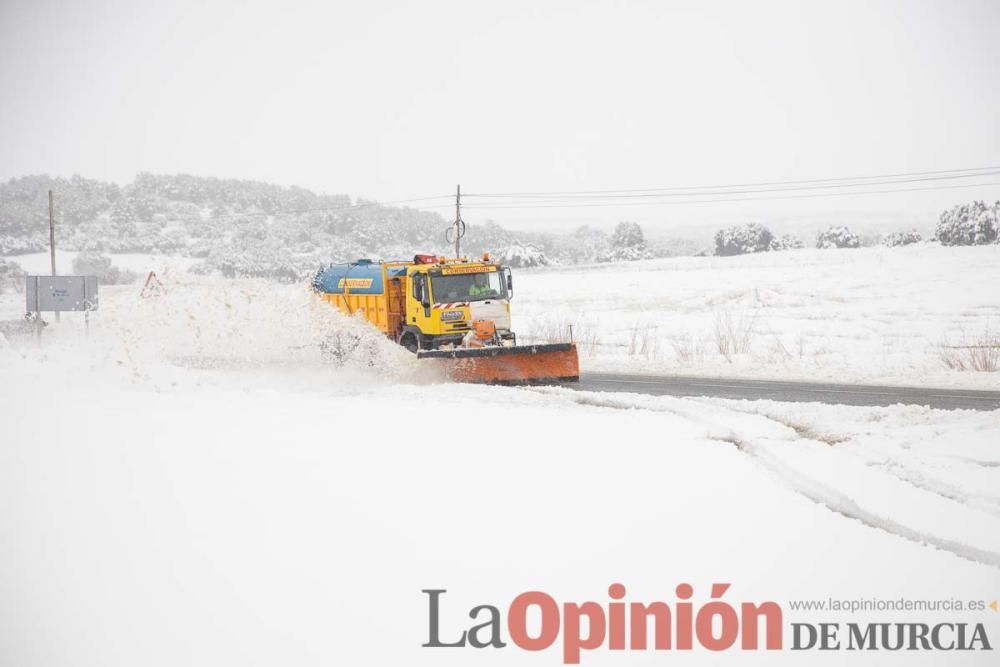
[845, 394]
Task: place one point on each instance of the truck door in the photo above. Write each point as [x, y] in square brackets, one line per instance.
[418, 303]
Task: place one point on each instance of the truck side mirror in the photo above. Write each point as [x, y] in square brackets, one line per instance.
[510, 283]
[420, 291]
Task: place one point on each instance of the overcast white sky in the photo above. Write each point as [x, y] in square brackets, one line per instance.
[391, 100]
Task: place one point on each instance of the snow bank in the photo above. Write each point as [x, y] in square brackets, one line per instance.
[214, 323]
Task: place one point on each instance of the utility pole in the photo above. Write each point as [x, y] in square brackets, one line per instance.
[459, 231]
[52, 239]
[52, 233]
[457, 228]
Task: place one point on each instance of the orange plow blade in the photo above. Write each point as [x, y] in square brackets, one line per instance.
[522, 364]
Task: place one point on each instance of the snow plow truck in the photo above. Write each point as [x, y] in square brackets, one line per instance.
[455, 310]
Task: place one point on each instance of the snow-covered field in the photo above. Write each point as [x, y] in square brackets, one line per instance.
[192, 484]
[878, 315]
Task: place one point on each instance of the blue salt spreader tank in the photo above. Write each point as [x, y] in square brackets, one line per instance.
[361, 277]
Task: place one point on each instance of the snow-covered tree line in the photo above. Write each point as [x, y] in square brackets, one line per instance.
[233, 226]
[239, 227]
[755, 237]
[960, 228]
[976, 223]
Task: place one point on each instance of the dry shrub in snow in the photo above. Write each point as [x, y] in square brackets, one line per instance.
[586, 335]
[585, 245]
[19, 245]
[553, 330]
[688, 349]
[548, 330]
[270, 263]
[743, 239]
[979, 353]
[734, 334]
[628, 243]
[11, 277]
[901, 238]
[786, 242]
[643, 341]
[837, 236]
[96, 264]
[523, 255]
[969, 224]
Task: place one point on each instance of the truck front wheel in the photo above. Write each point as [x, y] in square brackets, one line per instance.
[410, 342]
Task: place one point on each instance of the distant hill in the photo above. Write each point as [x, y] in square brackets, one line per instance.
[250, 227]
[218, 219]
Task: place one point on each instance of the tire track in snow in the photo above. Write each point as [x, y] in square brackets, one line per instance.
[981, 464]
[845, 506]
[988, 504]
[985, 503]
[809, 488]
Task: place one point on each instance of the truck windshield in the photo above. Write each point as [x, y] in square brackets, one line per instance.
[467, 287]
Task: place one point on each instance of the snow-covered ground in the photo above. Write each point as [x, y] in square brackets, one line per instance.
[193, 484]
[878, 315]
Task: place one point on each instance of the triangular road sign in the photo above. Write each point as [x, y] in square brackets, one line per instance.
[153, 286]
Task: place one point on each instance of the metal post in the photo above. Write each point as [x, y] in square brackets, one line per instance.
[38, 314]
[52, 239]
[86, 309]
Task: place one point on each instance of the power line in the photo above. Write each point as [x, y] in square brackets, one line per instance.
[961, 173]
[744, 189]
[677, 195]
[724, 200]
